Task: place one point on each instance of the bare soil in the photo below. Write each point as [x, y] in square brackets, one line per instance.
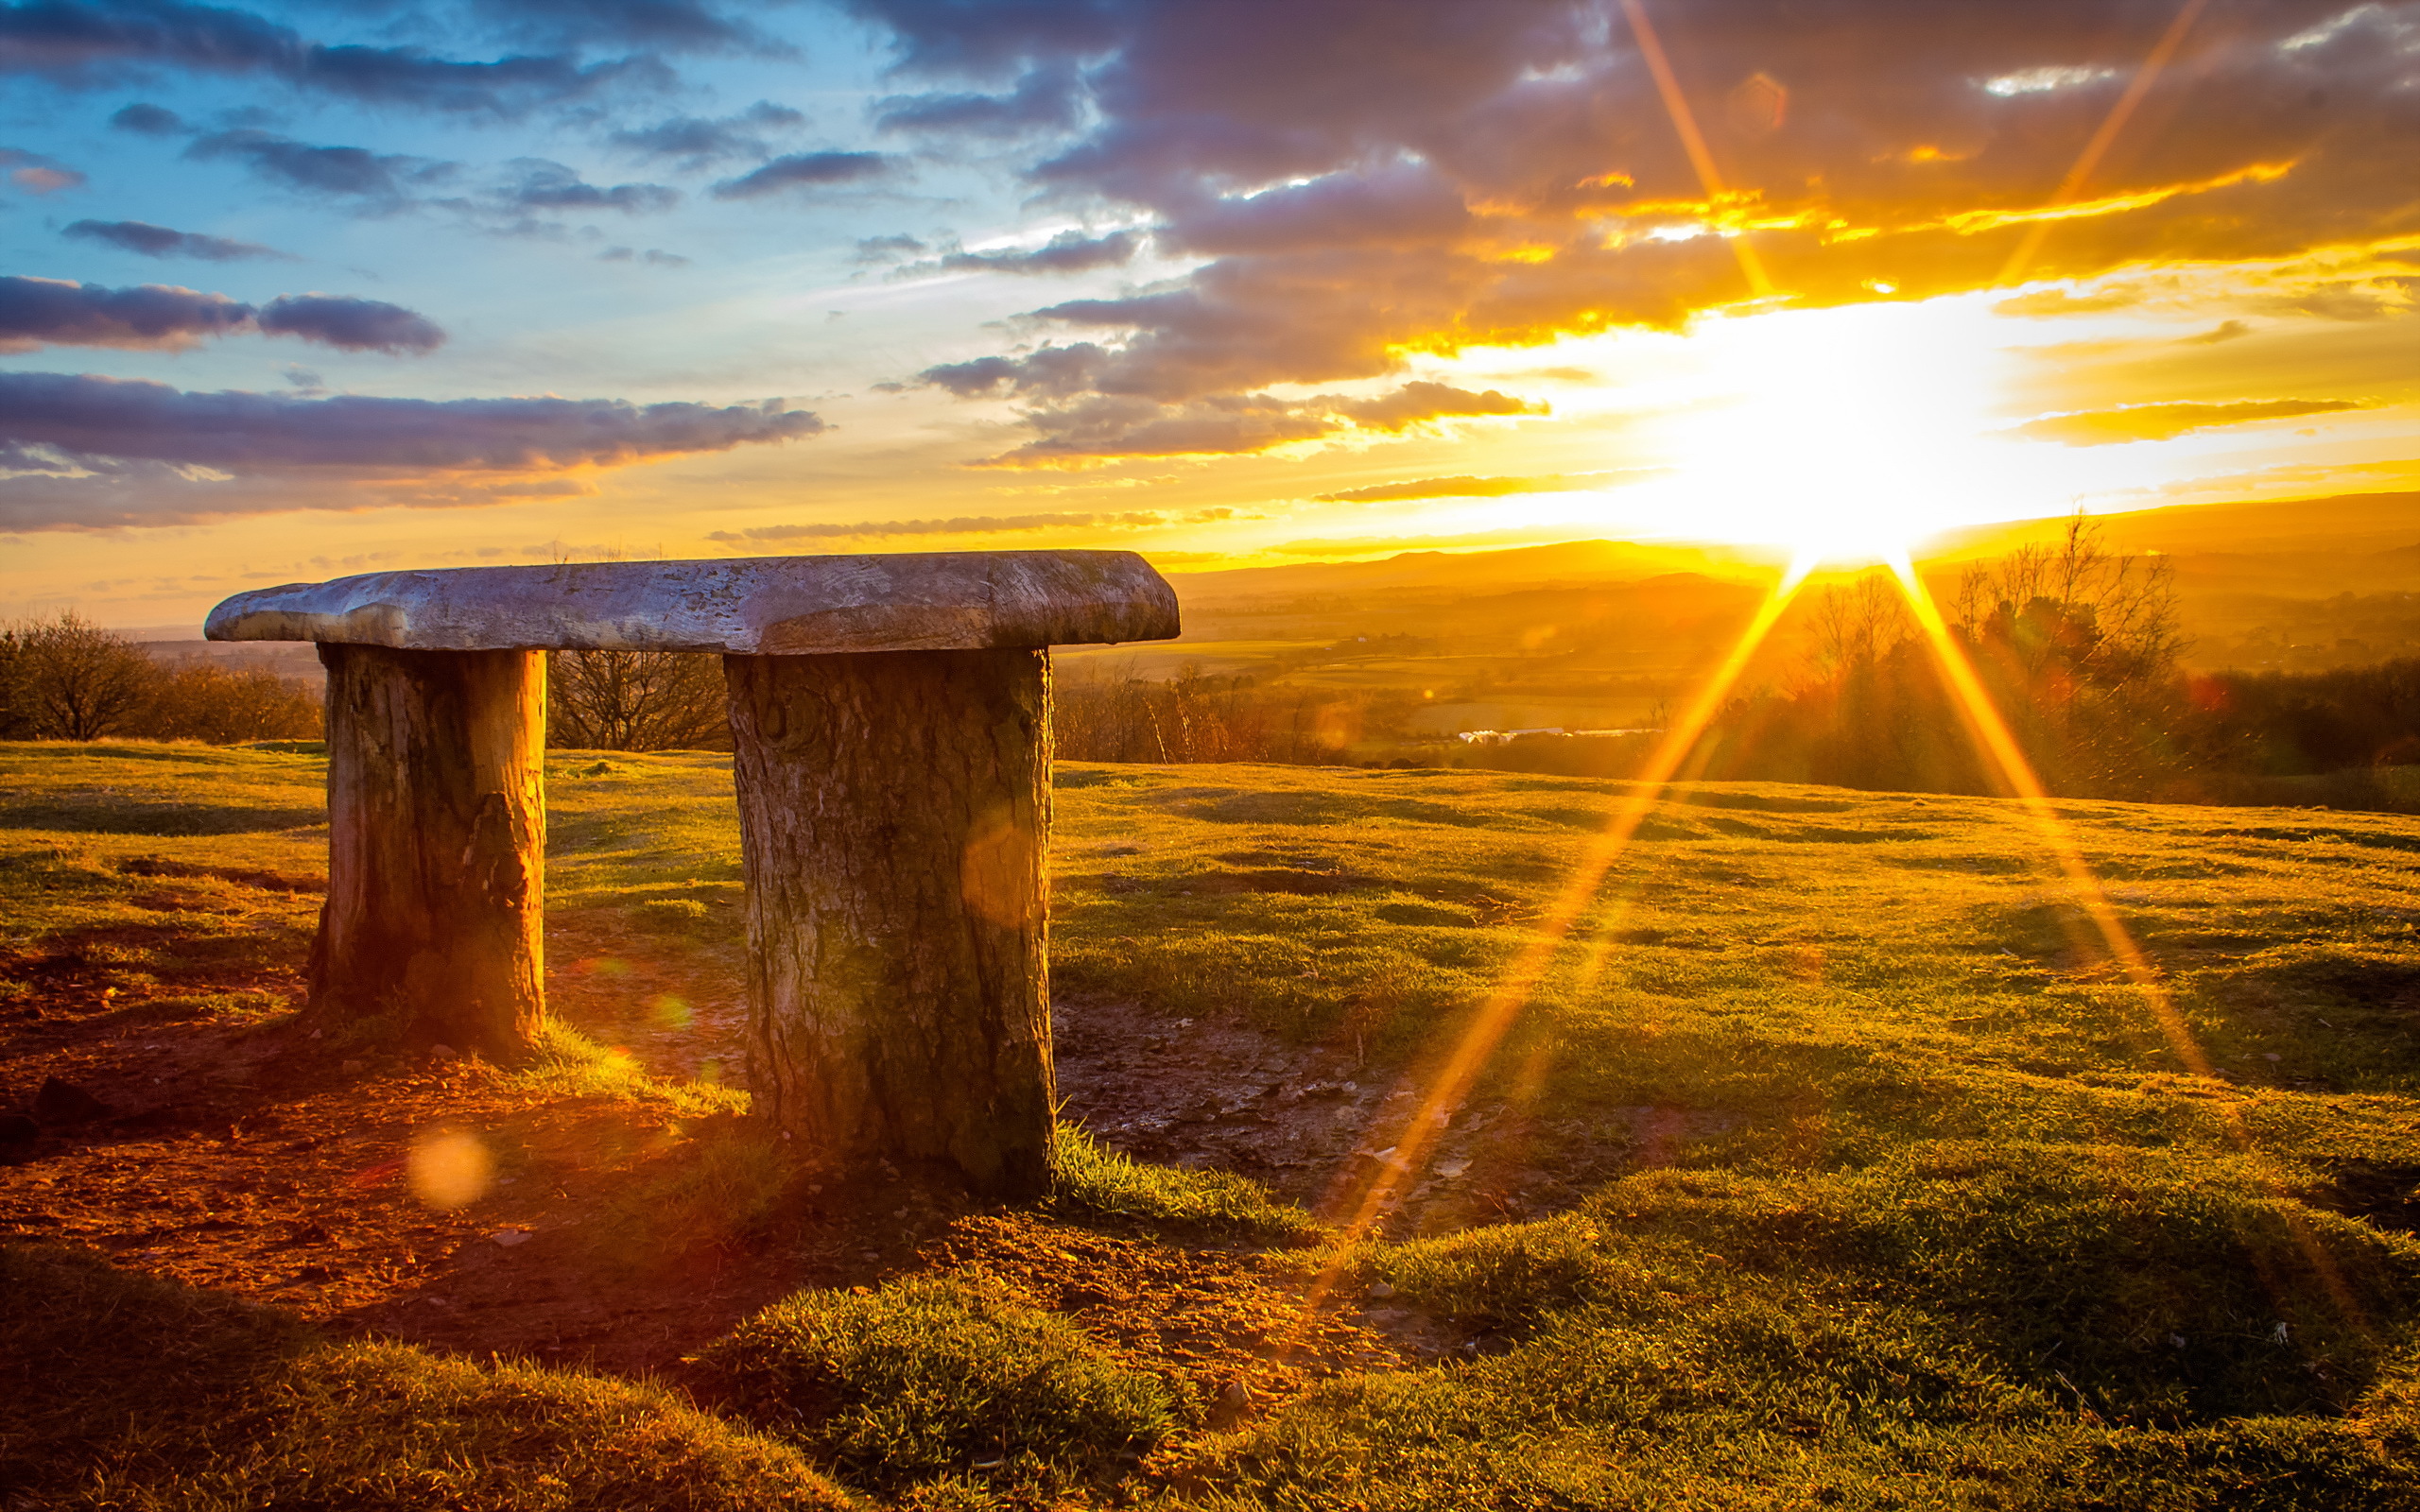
[259, 1158]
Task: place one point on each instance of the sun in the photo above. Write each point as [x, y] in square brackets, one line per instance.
[1843, 435]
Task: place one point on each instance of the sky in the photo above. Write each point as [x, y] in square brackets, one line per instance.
[293, 291]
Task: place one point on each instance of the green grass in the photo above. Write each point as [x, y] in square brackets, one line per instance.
[933, 1377]
[1096, 1181]
[1943, 1198]
[121, 1391]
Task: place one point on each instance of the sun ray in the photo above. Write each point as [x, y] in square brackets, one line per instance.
[1487, 1028]
[1676, 105]
[1992, 735]
[2098, 148]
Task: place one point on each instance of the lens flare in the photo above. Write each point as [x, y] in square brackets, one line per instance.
[448, 1168]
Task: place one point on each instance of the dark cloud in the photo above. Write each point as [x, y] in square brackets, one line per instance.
[1070, 251]
[354, 325]
[1046, 100]
[37, 173]
[37, 311]
[1369, 179]
[90, 43]
[147, 120]
[695, 142]
[369, 179]
[809, 170]
[58, 420]
[141, 237]
[2159, 423]
[543, 185]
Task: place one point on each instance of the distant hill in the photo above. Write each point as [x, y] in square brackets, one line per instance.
[1567, 562]
[2358, 524]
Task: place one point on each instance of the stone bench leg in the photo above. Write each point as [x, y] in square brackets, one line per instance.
[895, 811]
[436, 844]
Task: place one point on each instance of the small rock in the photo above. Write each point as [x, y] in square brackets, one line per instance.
[1381, 1290]
[509, 1237]
[443, 1053]
[16, 1128]
[61, 1102]
[1232, 1401]
[351, 1066]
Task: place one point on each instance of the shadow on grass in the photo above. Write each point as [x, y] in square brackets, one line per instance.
[121, 1390]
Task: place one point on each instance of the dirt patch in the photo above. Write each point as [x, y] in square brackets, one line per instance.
[1317, 1125]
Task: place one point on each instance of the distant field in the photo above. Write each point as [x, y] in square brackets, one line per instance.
[1832, 1164]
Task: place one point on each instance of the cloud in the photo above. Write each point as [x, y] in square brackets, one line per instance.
[652, 256]
[354, 325]
[1046, 100]
[888, 249]
[2058, 301]
[809, 170]
[147, 240]
[1416, 403]
[1089, 429]
[1366, 181]
[371, 179]
[147, 120]
[544, 185]
[1466, 488]
[983, 525]
[112, 450]
[37, 174]
[90, 46]
[1070, 251]
[659, 25]
[695, 142]
[2160, 422]
[36, 312]
[2223, 330]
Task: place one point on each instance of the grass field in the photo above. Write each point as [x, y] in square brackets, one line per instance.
[1839, 1167]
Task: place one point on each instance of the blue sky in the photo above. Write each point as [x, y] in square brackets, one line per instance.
[1229, 283]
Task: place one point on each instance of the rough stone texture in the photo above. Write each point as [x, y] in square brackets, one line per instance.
[915, 601]
[437, 845]
[894, 814]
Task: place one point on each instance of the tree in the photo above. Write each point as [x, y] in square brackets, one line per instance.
[636, 700]
[71, 679]
[2081, 648]
[201, 701]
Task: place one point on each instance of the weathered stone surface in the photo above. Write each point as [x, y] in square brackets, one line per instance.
[757, 606]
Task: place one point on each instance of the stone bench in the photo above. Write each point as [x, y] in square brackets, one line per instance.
[890, 716]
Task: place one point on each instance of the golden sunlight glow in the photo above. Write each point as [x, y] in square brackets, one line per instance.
[1840, 433]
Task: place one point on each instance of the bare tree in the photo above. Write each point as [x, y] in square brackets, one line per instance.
[2107, 620]
[70, 679]
[636, 700]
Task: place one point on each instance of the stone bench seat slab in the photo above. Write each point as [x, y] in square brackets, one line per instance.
[758, 606]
